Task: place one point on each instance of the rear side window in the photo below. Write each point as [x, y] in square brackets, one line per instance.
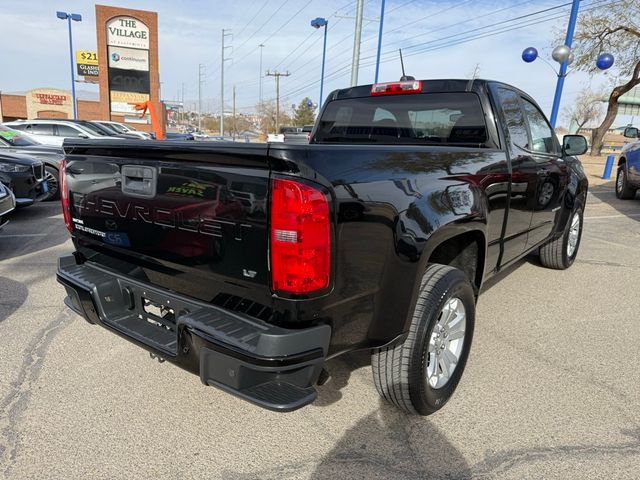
[510, 105]
[423, 119]
[42, 129]
[67, 131]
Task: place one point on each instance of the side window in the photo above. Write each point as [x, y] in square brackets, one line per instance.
[42, 129]
[542, 136]
[510, 104]
[67, 131]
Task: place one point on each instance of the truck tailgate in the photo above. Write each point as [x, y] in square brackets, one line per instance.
[187, 216]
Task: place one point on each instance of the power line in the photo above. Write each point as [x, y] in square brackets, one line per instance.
[344, 70]
[393, 52]
[250, 22]
[263, 25]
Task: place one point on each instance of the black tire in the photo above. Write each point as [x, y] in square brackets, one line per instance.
[53, 178]
[623, 190]
[555, 253]
[400, 372]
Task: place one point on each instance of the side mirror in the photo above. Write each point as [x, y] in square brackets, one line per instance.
[631, 132]
[574, 145]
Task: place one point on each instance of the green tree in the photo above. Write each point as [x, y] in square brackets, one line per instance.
[614, 30]
[304, 114]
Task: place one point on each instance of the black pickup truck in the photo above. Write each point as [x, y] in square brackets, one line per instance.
[377, 235]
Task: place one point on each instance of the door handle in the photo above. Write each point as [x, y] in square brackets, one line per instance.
[139, 181]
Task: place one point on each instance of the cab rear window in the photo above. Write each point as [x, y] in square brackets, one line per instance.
[423, 119]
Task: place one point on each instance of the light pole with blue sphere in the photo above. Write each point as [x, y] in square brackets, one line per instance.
[76, 18]
[563, 55]
[318, 23]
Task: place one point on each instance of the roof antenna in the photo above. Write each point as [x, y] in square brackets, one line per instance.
[404, 77]
[474, 75]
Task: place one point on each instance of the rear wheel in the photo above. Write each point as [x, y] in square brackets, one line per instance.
[623, 190]
[420, 374]
[560, 253]
[52, 177]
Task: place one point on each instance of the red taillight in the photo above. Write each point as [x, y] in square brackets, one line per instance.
[396, 88]
[64, 196]
[300, 237]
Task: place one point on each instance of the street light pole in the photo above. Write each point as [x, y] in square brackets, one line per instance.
[317, 23]
[261, 74]
[76, 18]
[379, 41]
[573, 18]
[355, 61]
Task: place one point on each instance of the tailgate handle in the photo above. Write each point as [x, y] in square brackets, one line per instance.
[139, 181]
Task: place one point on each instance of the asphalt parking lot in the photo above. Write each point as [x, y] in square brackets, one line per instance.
[551, 390]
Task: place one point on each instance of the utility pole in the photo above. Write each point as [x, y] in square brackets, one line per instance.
[222, 80]
[261, 77]
[183, 102]
[277, 75]
[201, 68]
[233, 128]
[355, 62]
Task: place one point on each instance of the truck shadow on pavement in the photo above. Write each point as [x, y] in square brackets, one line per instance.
[12, 295]
[383, 445]
[390, 444]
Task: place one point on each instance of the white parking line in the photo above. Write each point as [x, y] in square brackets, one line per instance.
[25, 235]
[613, 216]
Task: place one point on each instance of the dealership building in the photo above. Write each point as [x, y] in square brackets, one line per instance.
[125, 67]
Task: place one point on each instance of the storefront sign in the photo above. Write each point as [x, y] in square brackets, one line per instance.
[50, 99]
[87, 57]
[129, 81]
[87, 63]
[88, 70]
[121, 102]
[128, 59]
[127, 32]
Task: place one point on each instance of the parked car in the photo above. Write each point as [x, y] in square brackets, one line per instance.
[121, 128]
[378, 236]
[628, 176]
[53, 132]
[178, 136]
[24, 175]
[7, 204]
[14, 141]
[300, 136]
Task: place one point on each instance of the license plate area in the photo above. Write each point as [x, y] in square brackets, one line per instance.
[158, 314]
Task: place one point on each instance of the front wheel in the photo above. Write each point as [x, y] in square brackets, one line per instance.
[420, 374]
[560, 253]
[623, 189]
[52, 175]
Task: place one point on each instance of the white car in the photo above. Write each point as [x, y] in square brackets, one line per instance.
[53, 132]
[122, 128]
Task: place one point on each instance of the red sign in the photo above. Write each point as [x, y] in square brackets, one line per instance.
[50, 99]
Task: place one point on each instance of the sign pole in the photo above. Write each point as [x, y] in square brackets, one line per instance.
[73, 80]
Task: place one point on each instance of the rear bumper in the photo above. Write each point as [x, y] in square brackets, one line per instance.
[273, 367]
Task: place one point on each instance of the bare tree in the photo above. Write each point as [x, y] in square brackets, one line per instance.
[267, 114]
[615, 30]
[587, 108]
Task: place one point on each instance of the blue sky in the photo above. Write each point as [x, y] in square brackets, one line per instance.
[34, 48]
